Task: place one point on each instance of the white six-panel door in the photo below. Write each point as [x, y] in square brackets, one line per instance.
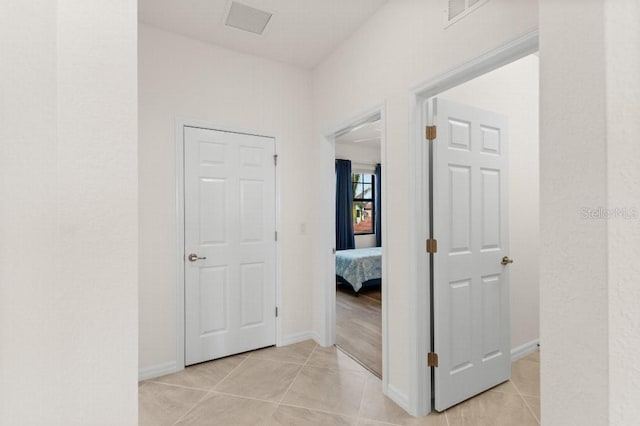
[230, 279]
[471, 286]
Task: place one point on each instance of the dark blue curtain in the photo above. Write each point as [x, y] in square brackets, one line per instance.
[378, 207]
[344, 206]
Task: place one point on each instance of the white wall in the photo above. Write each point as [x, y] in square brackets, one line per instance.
[573, 175]
[68, 216]
[513, 91]
[402, 45]
[589, 158]
[622, 59]
[363, 158]
[184, 78]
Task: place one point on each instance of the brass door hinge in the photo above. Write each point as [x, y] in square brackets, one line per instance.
[432, 359]
[430, 132]
[432, 245]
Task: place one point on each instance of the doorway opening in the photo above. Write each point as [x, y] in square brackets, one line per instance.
[482, 84]
[359, 243]
[356, 284]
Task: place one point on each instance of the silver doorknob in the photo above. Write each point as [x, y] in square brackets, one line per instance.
[193, 257]
[506, 260]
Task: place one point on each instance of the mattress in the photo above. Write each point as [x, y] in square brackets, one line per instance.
[358, 266]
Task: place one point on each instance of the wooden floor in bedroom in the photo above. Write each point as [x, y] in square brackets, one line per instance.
[359, 325]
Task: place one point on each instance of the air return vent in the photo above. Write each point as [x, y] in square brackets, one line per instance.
[456, 9]
[247, 18]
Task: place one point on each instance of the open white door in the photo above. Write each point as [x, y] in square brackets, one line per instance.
[230, 275]
[471, 283]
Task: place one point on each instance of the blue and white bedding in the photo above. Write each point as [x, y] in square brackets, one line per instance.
[358, 266]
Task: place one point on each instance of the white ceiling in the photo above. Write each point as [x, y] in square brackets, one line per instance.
[365, 135]
[301, 32]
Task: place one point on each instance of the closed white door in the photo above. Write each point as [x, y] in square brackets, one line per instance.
[230, 275]
[471, 284]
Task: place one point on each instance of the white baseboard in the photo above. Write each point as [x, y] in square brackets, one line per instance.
[524, 350]
[398, 397]
[299, 337]
[157, 371]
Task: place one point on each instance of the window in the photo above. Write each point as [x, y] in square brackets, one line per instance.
[363, 203]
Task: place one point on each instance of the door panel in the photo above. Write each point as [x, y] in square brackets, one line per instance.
[213, 309]
[230, 295]
[460, 205]
[252, 282]
[212, 206]
[471, 287]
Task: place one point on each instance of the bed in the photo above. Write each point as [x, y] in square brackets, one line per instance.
[359, 267]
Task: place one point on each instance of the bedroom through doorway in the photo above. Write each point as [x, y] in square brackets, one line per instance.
[358, 242]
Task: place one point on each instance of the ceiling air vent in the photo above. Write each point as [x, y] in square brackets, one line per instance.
[247, 18]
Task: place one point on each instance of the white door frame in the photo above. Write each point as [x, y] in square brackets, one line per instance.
[181, 123]
[420, 311]
[329, 296]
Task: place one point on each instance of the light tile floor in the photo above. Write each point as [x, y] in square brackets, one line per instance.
[305, 384]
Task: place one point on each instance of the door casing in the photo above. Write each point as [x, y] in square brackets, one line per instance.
[420, 394]
[181, 123]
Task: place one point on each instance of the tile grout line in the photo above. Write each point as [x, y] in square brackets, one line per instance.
[160, 382]
[327, 411]
[377, 421]
[191, 409]
[306, 364]
[363, 417]
[229, 373]
[285, 404]
[255, 358]
[446, 417]
[179, 386]
[364, 388]
[252, 354]
[207, 392]
[298, 374]
[525, 402]
[243, 397]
